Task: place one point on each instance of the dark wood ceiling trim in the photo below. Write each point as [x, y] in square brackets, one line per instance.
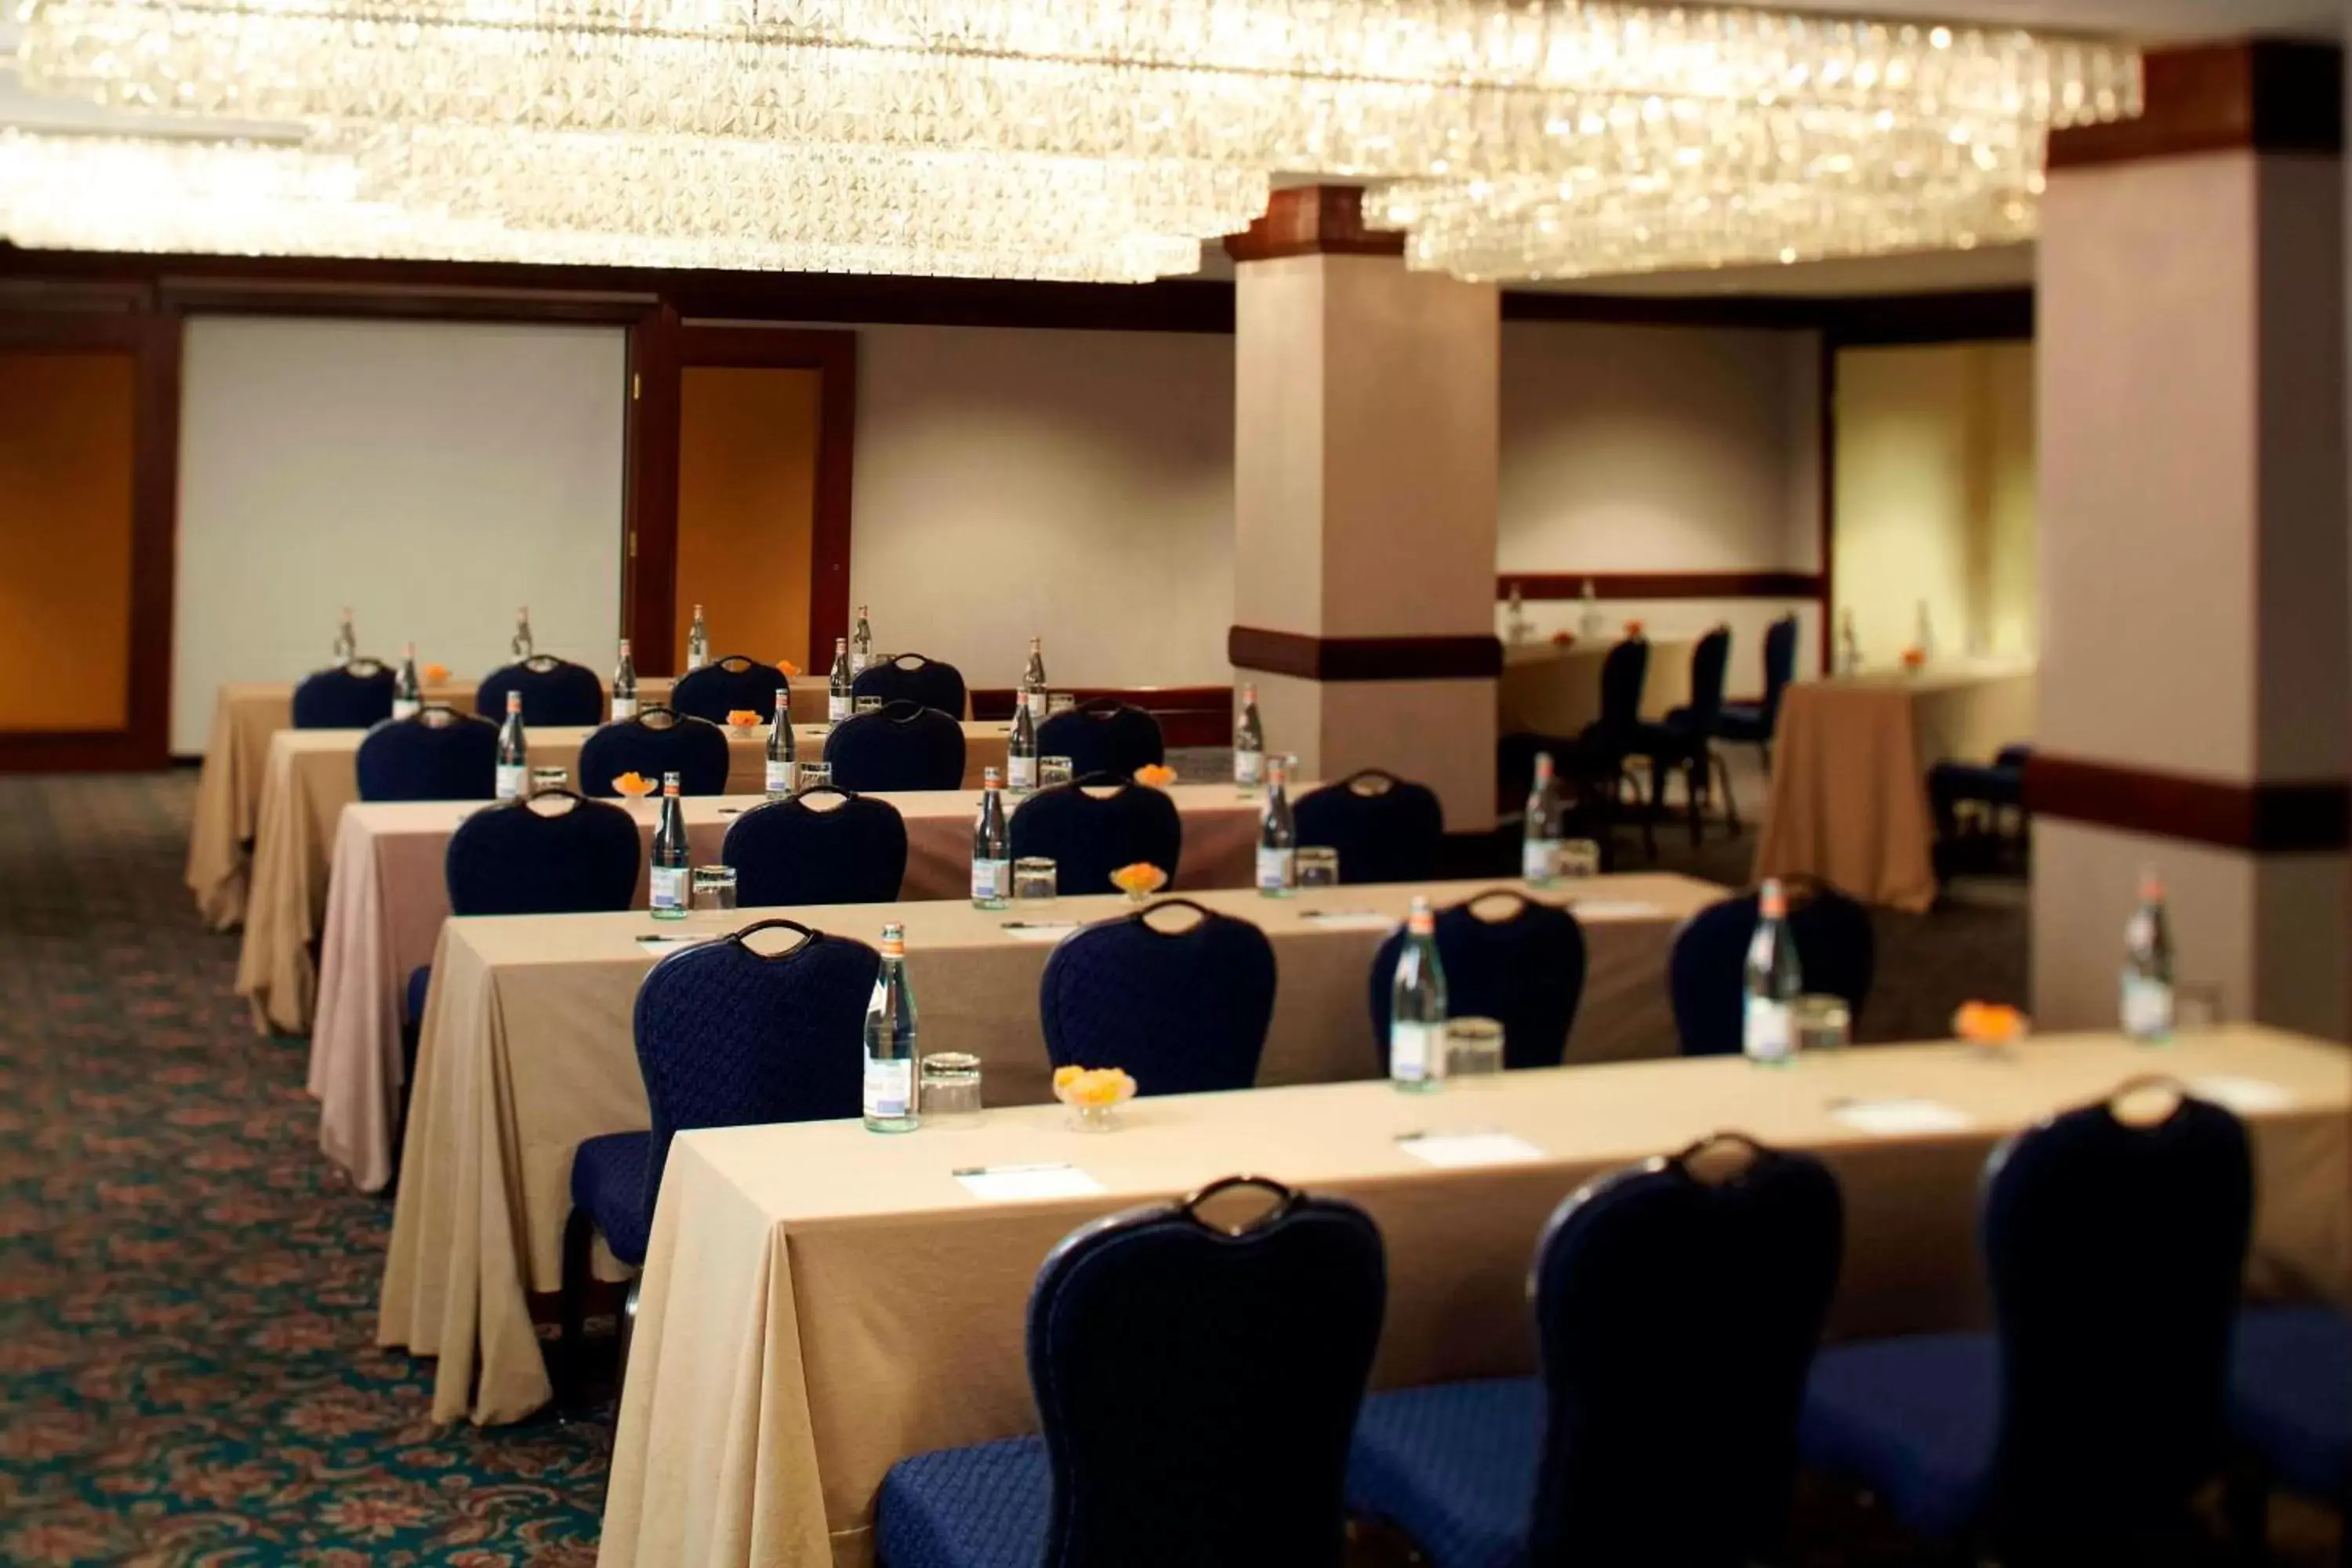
[1960, 316]
[1364, 658]
[2267, 95]
[1661, 584]
[2269, 818]
[1313, 220]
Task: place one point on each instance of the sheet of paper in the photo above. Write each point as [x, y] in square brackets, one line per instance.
[1455, 1151]
[1047, 931]
[661, 944]
[1348, 920]
[1012, 1184]
[1612, 909]
[1901, 1118]
[2246, 1096]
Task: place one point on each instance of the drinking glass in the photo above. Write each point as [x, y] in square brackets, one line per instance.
[1319, 866]
[950, 1091]
[714, 887]
[1052, 771]
[814, 776]
[1473, 1049]
[1060, 702]
[1032, 881]
[866, 705]
[1820, 1023]
[2196, 1009]
[544, 779]
[1579, 858]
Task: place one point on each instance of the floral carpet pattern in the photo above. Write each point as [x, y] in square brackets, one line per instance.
[187, 1290]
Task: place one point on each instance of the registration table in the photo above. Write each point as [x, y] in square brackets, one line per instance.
[246, 714]
[1547, 689]
[386, 897]
[1849, 802]
[527, 1051]
[819, 1302]
[310, 777]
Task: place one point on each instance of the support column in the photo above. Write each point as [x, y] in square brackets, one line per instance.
[1364, 474]
[2194, 681]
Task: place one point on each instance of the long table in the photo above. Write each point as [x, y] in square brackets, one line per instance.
[1547, 689]
[526, 1051]
[819, 1302]
[1849, 803]
[310, 777]
[246, 714]
[386, 897]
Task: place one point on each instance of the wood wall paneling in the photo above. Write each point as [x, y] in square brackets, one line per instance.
[1540, 585]
[1312, 657]
[2272, 817]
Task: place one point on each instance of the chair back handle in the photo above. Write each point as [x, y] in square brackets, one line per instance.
[562, 791]
[1142, 917]
[1520, 904]
[647, 713]
[909, 661]
[542, 663]
[1285, 1200]
[366, 667]
[1102, 708]
[1101, 778]
[441, 716]
[799, 797]
[2141, 1083]
[735, 663]
[810, 936]
[1756, 1152]
[1369, 782]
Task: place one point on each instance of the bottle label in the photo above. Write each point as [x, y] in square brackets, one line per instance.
[623, 707]
[858, 664]
[1021, 772]
[1539, 859]
[2147, 1007]
[510, 779]
[784, 778]
[1249, 767]
[889, 1087]
[405, 707]
[1276, 868]
[990, 879]
[1768, 1030]
[667, 889]
[1036, 702]
[1416, 1051]
[836, 710]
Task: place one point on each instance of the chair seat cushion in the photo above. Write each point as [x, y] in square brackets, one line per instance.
[1742, 722]
[1454, 1466]
[2290, 1395]
[608, 1181]
[986, 1506]
[1914, 1419]
[1972, 780]
[1675, 738]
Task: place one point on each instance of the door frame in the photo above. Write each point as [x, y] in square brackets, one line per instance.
[662, 348]
[152, 339]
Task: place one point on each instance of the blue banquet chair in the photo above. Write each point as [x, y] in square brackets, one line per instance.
[355, 696]
[1686, 738]
[2078, 1432]
[654, 741]
[1524, 969]
[912, 678]
[2291, 1413]
[787, 852]
[1590, 764]
[1386, 830]
[729, 685]
[904, 746]
[1676, 1316]
[1707, 968]
[1096, 824]
[1752, 723]
[1183, 1010]
[1105, 736]
[1196, 1384]
[555, 692]
[438, 754]
[727, 1035]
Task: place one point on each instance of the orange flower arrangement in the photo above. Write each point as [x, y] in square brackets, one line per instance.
[1988, 1024]
[1092, 1087]
[633, 784]
[1563, 639]
[1632, 628]
[1915, 658]
[434, 674]
[1139, 881]
[1155, 774]
[788, 666]
[743, 718]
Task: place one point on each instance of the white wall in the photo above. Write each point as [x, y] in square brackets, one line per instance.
[1070, 485]
[433, 476]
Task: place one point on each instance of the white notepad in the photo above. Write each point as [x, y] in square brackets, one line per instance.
[2246, 1096]
[1457, 1151]
[1012, 1184]
[1046, 931]
[1612, 909]
[1898, 1118]
[658, 945]
[1348, 920]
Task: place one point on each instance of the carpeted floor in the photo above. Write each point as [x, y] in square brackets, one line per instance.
[188, 1293]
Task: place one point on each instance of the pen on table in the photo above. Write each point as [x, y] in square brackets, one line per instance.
[1011, 1170]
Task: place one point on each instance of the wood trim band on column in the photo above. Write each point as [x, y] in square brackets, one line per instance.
[1313, 220]
[2269, 818]
[2268, 95]
[1661, 584]
[1365, 659]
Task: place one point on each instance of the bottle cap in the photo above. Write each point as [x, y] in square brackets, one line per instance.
[1543, 764]
[1419, 920]
[990, 779]
[894, 941]
[1771, 900]
[1249, 691]
[669, 783]
[2151, 885]
[514, 701]
[625, 645]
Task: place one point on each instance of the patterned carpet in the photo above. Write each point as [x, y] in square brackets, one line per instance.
[187, 1371]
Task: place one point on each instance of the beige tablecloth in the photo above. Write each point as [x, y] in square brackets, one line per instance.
[798, 1331]
[1546, 689]
[228, 786]
[310, 778]
[386, 900]
[1849, 801]
[527, 1051]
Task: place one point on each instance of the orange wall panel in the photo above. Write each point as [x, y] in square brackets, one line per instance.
[746, 502]
[66, 456]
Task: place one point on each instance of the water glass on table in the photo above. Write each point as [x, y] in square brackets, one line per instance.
[1060, 702]
[815, 775]
[1033, 880]
[714, 887]
[1579, 857]
[950, 1091]
[543, 780]
[1819, 1023]
[866, 705]
[1054, 772]
[1473, 1049]
[1319, 866]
